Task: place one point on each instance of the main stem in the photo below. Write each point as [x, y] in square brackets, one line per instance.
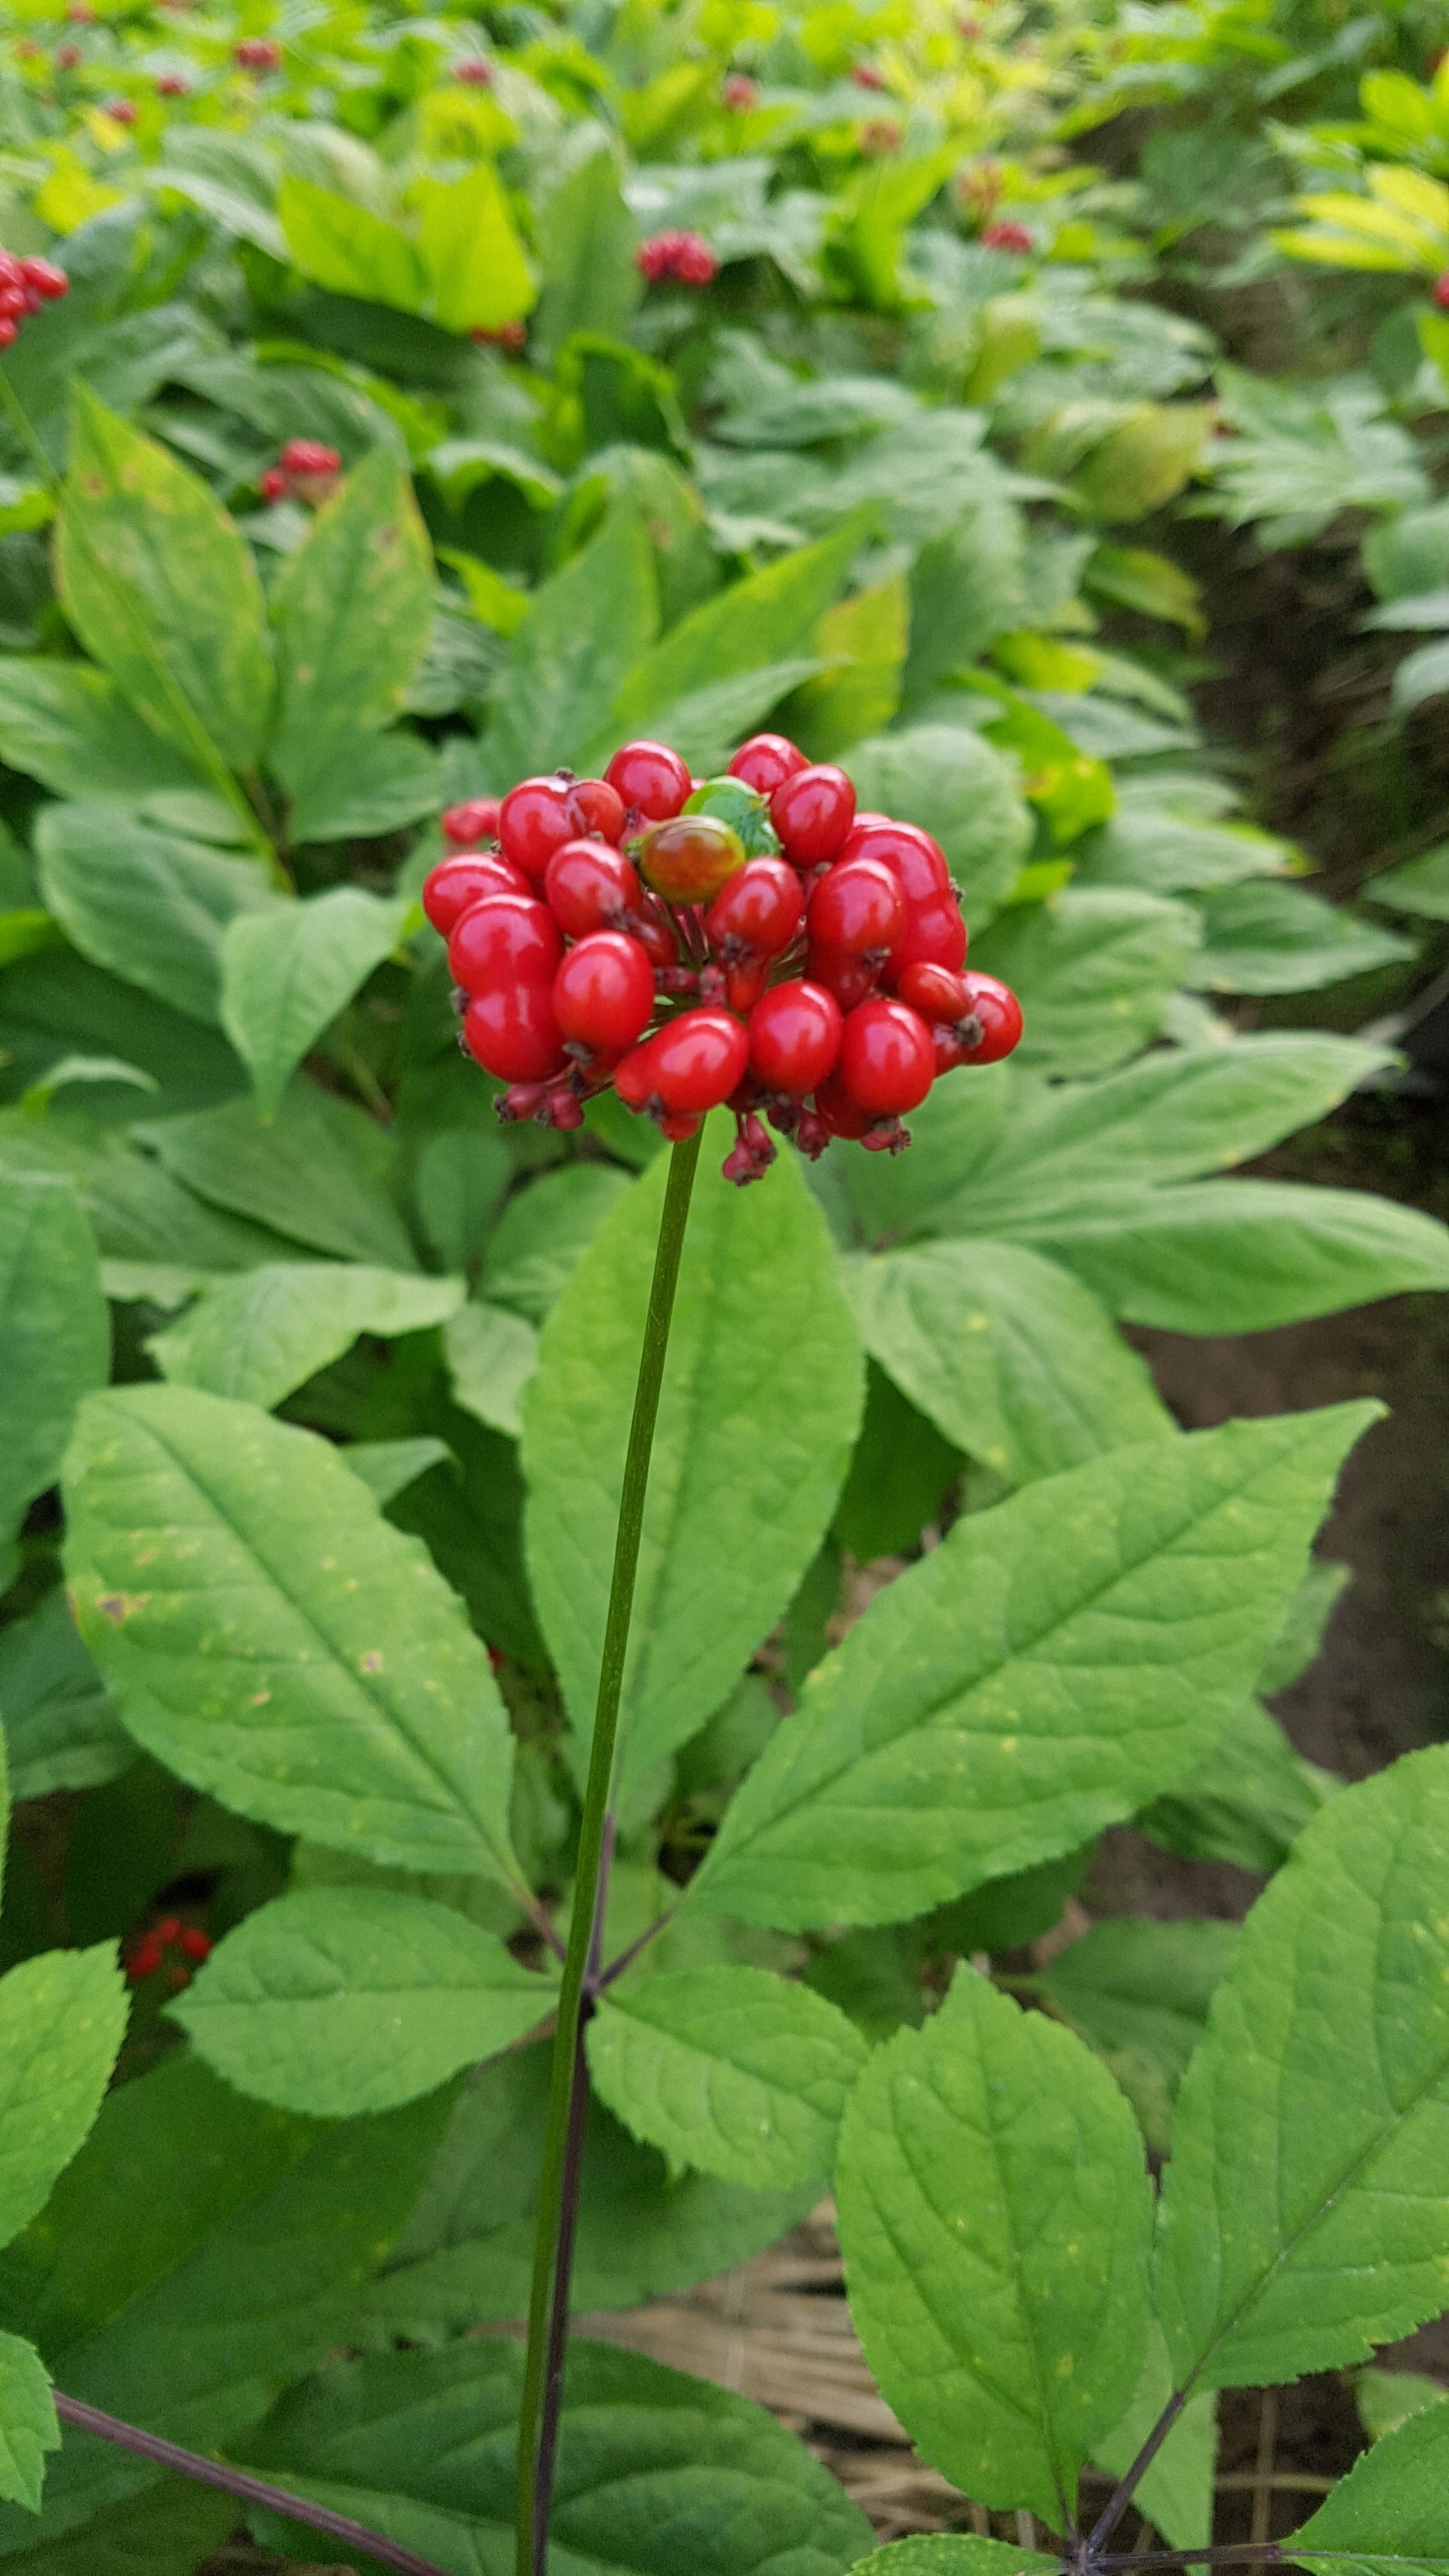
[567, 2098]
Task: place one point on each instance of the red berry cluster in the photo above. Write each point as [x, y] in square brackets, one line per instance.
[740, 92]
[684, 256]
[749, 939]
[307, 471]
[1008, 236]
[474, 72]
[25, 284]
[155, 1949]
[172, 85]
[258, 54]
[511, 337]
[121, 111]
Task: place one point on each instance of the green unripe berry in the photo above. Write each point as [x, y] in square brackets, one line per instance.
[689, 858]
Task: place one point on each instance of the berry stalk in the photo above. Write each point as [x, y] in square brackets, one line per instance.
[568, 2085]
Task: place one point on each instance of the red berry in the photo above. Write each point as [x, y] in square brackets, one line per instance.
[684, 256]
[1007, 236]
[474, 72]
[690, 857]
[696, 1061]
[455, 885]
[794, 1036]
[67, 57]
[173, 85]
[766, 761]
[757, 909]
[675, 1127]
[512, 1032]
[858, 905]
[587, 886]
[865, 76]
[121, 111]
[273, 484]
[467, 824]
[9, 329]
[45, 279]
[598, 807]
[652, 779]
[740, 91]
[744, 984]
[535, 819]
[309, 456]
[935, 935]
[843, 972]
[603, 992]
[505, 939]
[194, 1941]
[1441, 292]
[812, 811]
[634, 1077]
[509, 336]
[887, 1062]
[657, 936]
[993, 1010]
[915, 858]
[838, 1113]
[259, 54]
[933, 991]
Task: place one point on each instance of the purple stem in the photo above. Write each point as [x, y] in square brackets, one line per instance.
[216, 2473]
[1122, 2494]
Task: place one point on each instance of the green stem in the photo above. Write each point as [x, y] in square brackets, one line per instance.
[553, 2221]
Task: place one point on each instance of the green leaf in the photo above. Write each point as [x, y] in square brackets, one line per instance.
[900, 1470]
[1262, 937]
[478, 274]
[1387, 2398]
[343, 246]
[388, 1467]
[705, 725]
[60, 1729]
[353, 607]
[1239, 1256]
[321, 1172]
[1420, 887]
[288, 971]
[1094, 967]
[1175, 2492]
[148, 904]
[271, 1638]
[1304, 2217]
[163, 2531]
[1048, 1667]
[770, 616]
[265, 1332]
[583, 624]
[955, 2553]
[366, 786]
[1389, 2516]
[543, 1234]
[1010, 1358]
[1246, 1801]
[995, 2214]
[1138, 1993]
[28, 2423]
[337, 2000]
[958, 788]
[586, 243]
[70, 727]
[55, 1333]
[730, 2069]
[1167, 853]
[749, 1452]
[162, 589]
[62, 2021]
[657, 2471]
[492, 1355]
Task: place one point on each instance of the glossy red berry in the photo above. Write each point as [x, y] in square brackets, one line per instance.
[512, 1032]
[812, 811]
[598, 807]
[46, 279]
[859, 905]
[1007, 236]
[588, 886]
[690, 857]
[696, 1061]
[194, 1941]
[172, 85]
[794, 1036]
[455, 885]
[887, 1062]
[259, 54]
[933, 991]
[677, 1125]
[309, 456]
[535, 819]
[121, 111]
[657, 936]
[743, 985]
[837, 1113]
[992, 1009]
[766, 761]
[273, 484]
[758, 909]
[934, 934]
[651, 779]
[634, 1077]
[740, 92]
[9, 329]
[914, 857]
[505, 939]
[474, 72]
[603, 993]
[843, 972]
[473, 821]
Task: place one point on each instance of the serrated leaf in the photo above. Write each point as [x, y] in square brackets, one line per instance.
[28, 2425]
[265, 1332]
[1387, 2398]
[1009, 1357]
[62, 2021]
[149, 904]
[336, 2000]
[1304, 2217]
[269, 1636]
[162, 2531]
[954, 2553]
[749, 1452]
[353, 608]
[1014, 1692]
[70, 727]
[1138, 1993]
[728, 2069]
[557, 686]
[768, 617]
[1262, 937]
[320, 1173]
[995, 2215]
[1390, 2515]
[288, 971]
[1246, 1801]
[161, 587]
[1094, 967]
[478, 272]
[55, 1334]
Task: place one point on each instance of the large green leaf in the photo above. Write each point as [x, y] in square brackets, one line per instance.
[28, 2423]
[320, 1172]
[162, 589]
[288, 971]
[70, 727]
[1390, 2515]
[336, 2000]
[492, 1354]
[163, 2531]
[147, 903]
[730, 2069]
[954, 2553]
[268, 1635]
[353, 608]
[55, 1335]
[366, 785]
[770, 616]
[583, 626]
[1095, 967]
[1005, 1698]
[62, 2021]
[1246, 1801]
[586, 240]
[1304, 2218]
[60, 1729]
[345, 247]
[543, 1234]
[1138, 1993]
[957, 787]
[995, 2215]
[657, 2472]
[748, 1457]
[263, 1333]
[1264, 937]
[478, 271]
[1010, 1357]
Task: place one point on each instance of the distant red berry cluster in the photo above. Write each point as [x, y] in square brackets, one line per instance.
[259, 54]
[473, 70]
[172, 85]
[306, 471]
[740, 92]
[25, 284]
[750, 939]
[158, 1948]
[1008, 236]
[511, 337]
[679, 255]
